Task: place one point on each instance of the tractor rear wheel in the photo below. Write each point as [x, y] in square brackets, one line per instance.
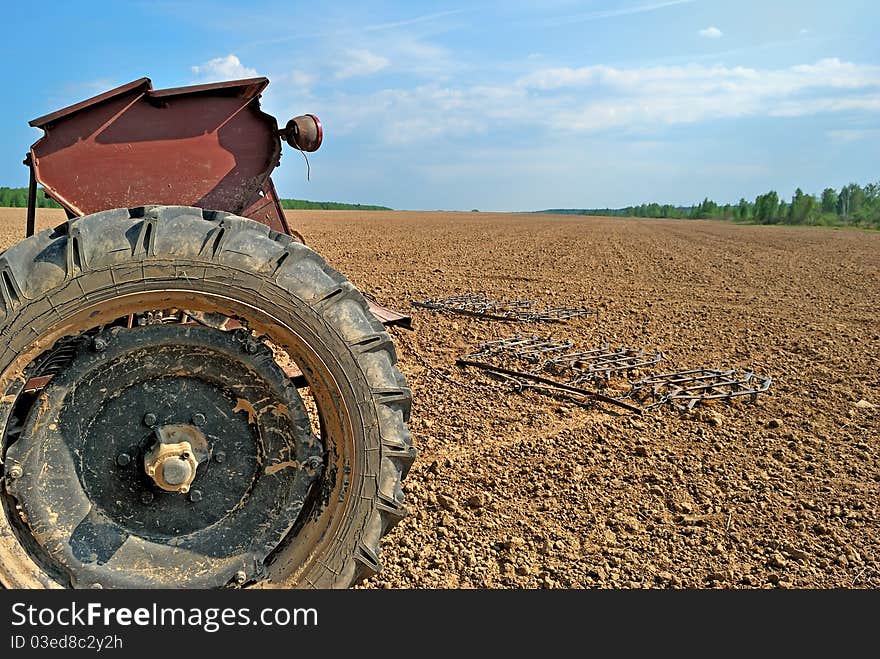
[188, 399]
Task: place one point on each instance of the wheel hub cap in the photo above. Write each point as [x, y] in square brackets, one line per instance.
[172, 462]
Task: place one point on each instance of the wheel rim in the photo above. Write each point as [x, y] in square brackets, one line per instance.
[322, 513]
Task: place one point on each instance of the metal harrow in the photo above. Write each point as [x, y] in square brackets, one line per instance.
[550, 359]
[481, 306]
[601, 363]
[550, 365]
[580, 366]
[684, 389]
[526, 348]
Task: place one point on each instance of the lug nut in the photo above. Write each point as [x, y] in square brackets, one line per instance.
[220, 457]
[99, 344]
[250, 348]
[195, 496]
[147, 497]
[123, 459]
[314, 462]
[198, 419]
[149, 419]
[14, 471]
[240, 577]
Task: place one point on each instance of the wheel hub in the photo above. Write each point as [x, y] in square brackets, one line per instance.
[173, 456]
[172, 461]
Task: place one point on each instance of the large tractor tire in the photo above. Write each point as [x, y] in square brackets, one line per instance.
[189, 399]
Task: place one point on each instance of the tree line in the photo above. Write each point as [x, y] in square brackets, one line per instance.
[302, 204]
[852, 204]
[17, 198]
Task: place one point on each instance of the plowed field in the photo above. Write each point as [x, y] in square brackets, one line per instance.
[521, 490]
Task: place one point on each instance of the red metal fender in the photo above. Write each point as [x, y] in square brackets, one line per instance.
[209, 146]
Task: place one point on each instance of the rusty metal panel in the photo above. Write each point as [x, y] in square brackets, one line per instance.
[204, 145]
[246, 88]
[387, 316]
[265, 207]
[209, 146]
[140, 85]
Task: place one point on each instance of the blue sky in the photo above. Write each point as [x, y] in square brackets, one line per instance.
[498, 105]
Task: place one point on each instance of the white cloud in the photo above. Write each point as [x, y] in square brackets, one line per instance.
[302, 79]
[326, 30]
[802, 108]
[411, 21]
[597, 98]
[640, 97]
[613, 13]
[429, 111]
[685, 80]
[848, 135]
[224, 68]
[711, 32]
[360, 63]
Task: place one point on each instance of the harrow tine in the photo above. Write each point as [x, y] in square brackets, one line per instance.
[597, 366]
[479, 305]
[547, 381]
[698, 385]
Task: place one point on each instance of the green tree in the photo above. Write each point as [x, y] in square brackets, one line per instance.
[802, 208]
[871, 213]
[17, 198]
[766, 207]
[829, 200]
[855, 204]
[705, 209]
[850, 201]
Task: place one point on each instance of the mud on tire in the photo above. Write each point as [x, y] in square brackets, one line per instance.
[93, 269]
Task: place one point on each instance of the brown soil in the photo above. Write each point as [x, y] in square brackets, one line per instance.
[523, 491]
